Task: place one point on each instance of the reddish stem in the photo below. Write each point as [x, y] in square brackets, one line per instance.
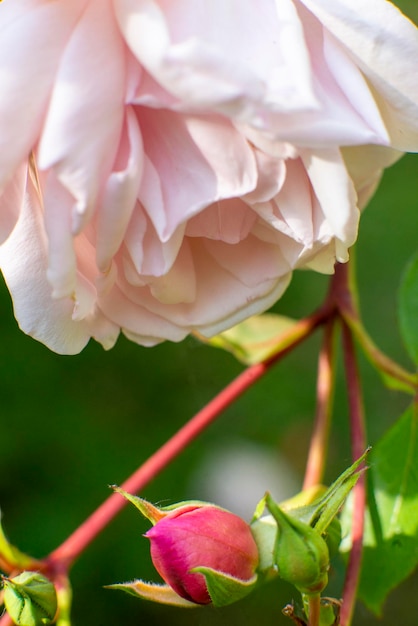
[61, 558]
[358, 445]
[324, 393]
[314, 610]
[6, 620]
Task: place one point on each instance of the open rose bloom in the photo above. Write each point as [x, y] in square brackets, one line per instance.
[165, 165]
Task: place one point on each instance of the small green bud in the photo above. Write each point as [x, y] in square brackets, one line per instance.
[30, 599]
[300, 553]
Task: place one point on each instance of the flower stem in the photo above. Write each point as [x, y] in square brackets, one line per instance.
[344, 292]
[6, 620]
[358, 445]
[314, 604]
[325, 385]
[381, 361]
[63, 556]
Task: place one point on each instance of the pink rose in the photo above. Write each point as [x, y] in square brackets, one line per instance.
[164, 167]
[201, 536]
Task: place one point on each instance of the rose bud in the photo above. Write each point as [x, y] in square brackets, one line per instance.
[204, 553]
[201, 536]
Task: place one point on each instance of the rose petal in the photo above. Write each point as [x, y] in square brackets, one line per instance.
[381, 41]
[11, 201]
[365, 165]
[195, 161]
[33, 35]
[196, 52]
[335, 192]
[23, 261]
[85, 114]
[149, 255]
[120, 193]
[222, 299]
[229, 221]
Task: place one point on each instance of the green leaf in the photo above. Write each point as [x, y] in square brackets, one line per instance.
[224, 589]
[391, 529]
[408, 308]
[321, 513]
[256, 339]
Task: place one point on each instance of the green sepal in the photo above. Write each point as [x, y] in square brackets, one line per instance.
[300, 553]
[154, 513]
[304, 498]
[148, 510]
[162, 594]
[320, 514]
[30, 599]
[224, 589]
[64, 597]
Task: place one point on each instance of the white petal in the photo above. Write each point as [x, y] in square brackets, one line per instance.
[85, 115]
[335, 192]
[120, 193]
[195, 161]
[195, 50]
[384, 43]
[365, 165]
[11, 201]
[23, 261]
[32, 37]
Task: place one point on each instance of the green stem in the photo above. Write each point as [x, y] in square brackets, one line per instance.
[384, 364]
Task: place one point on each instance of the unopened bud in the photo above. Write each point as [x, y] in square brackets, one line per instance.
[30, 599]
[203, 552]
[300, 553]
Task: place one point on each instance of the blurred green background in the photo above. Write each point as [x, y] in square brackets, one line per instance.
[70, 426]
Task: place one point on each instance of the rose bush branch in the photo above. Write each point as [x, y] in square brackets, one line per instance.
[70, 549]
[6, 620]
[358, 445]
[325, 386]
[345, 293]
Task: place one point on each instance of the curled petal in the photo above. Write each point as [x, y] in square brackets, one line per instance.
[335, 192]
[85, 113]
[11, 200]
[23, 261]
[120, 194]
[192, 162]
[381, 41]
[32, 52]
[196, 53]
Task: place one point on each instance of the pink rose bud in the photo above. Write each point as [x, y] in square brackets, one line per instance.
[193, 536]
